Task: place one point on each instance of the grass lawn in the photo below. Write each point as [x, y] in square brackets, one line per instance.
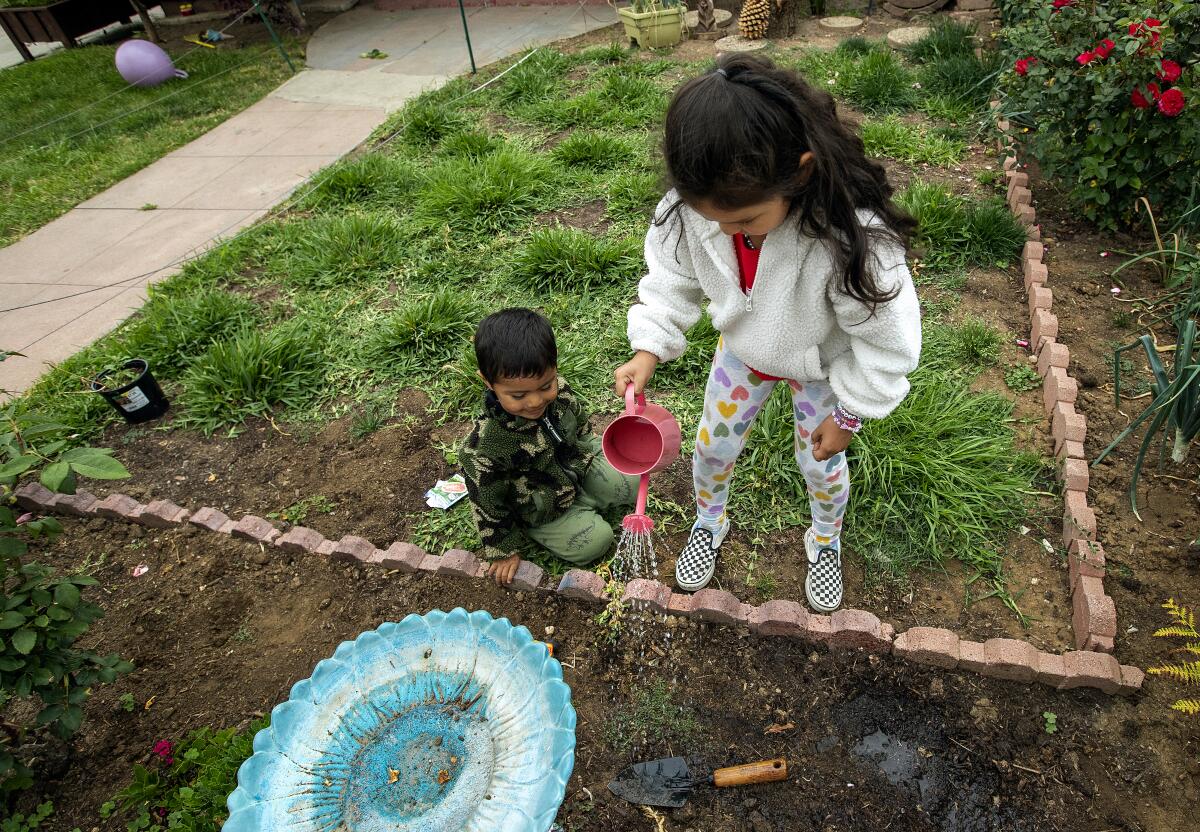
[538, 191]
[58, 148]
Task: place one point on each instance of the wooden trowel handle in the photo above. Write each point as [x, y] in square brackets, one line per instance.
[764, 771]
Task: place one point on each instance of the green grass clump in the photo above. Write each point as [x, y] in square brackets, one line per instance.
[487, 194]
[878, 82]
[955, 231]
[431, 329]
[63, 140]
[691, 369]
[471, 144]
[634, 195]
[947, 38]
[613, 53]
[536, 79]
[962, 80]
[594, 151]
[973, 344]
[858, 46]
[559, 258]
[331, 250]
[250, 374]
[171, 331]
[426, 121]
[376, 180]
[894, 139]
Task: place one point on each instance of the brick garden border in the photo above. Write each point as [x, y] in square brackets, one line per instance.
[1093, 613]
[844, 630]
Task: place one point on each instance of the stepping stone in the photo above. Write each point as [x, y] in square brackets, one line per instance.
[724, 18]
[737, 43]
[906, 36]
[841, 24]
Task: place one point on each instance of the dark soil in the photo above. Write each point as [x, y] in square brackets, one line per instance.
[218, 639]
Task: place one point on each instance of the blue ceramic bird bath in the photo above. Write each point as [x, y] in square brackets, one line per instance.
[443, 722]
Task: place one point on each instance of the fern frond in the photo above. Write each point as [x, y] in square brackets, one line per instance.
[1191, 707]
[1176, 630]
[1192, 647]
[1187, 672]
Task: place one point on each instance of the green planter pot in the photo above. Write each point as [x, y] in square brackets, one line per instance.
[662, 27]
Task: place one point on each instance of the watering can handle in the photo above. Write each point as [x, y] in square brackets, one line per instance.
[630, 398]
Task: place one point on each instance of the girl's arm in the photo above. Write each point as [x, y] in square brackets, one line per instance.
[871, 378]
[669, 294]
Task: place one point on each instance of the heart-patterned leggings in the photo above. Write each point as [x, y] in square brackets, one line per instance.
[732, 399]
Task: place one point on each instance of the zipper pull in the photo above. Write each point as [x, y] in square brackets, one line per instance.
[750, 301]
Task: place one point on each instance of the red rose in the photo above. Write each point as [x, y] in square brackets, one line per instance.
[1085, 58]
[1105, 48]
[1170, 103]
[1059, 5]
[1170, 71]
[1153, 22]
[1139, 100]
[1153, 87]
[1022, 65]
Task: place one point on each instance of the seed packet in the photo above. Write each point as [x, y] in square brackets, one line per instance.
[446, 493]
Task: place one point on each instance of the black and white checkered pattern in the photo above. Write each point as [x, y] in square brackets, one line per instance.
[823, 584]
[698, 561]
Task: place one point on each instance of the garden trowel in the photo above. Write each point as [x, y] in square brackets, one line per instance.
[669, 783]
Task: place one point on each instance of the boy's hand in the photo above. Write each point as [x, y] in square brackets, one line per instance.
[503, 571]
[636, 371]
[829, 440]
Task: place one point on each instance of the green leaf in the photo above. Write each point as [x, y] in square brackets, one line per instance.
[23, 641]
[94, 463]
[18, 466]
[58, 477]
[49, 714]
[11, 547]
[11, 620]
[66, 595]
[10, 663]
[58, 614]
[72, 719]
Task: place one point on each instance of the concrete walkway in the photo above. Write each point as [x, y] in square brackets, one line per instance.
[75, 279]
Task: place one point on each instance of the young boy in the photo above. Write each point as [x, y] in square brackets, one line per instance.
[532, 464]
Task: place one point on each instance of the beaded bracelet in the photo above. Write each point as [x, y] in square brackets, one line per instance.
[846, 420]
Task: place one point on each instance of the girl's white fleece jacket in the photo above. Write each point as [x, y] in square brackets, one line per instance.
[796, 323]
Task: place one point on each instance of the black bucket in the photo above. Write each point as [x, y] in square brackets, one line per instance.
[138, 401]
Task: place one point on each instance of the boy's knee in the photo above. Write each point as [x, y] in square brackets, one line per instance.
[590, 542]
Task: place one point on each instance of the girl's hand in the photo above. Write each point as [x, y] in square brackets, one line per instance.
[503, 571]
[636, 371]
[829, 440]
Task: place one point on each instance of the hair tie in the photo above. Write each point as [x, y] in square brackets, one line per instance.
[721, 71]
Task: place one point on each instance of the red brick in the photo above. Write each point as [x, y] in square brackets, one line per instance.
[1017, 179]
[255, 528]
[716, 606]
[1079, 521]
[1008, 658]
[928, 645]
[1051, 669]
[352, 548]
[403, 556]
[1085, 558]
[1067, 423]
[1058, 387]
[644, 594]
[582, 585]
[429, 564]
[326, 548]
[1025, 214]
[1093, 613]
[778, 618]
[163, 514]
[1036, 275]
[1069, 450]
[818, 628]
[971, 656]
[528, 577]
[680, 604]
[1075, 474]
[1034, 232]
[209, 518]
[1010, 163]
[1040, 298]
[1053, 354]
[80, 504]
[1035, 252]
[119, 507]
[1131, 679]
[1099, 644]
[1018, 195]
[461, 563]
[859, 630]
[33, 496]
[300, 539]
[1088, 669]
[1043, 327]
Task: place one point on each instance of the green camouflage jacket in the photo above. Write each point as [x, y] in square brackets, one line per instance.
[522, 474]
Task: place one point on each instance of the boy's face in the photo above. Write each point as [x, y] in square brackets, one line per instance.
[526, 397]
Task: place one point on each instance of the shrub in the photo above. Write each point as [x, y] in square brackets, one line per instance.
[565, 259]
[1105, 100]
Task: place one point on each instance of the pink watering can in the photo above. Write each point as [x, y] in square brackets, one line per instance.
[643, 440]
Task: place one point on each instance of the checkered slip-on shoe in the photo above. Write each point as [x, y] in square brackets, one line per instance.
[698, 561]
[823, 584]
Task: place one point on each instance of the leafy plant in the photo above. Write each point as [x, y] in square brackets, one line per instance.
[27, 823]
[185, 787]
[563, 258]
[127, 703]
[1049, 722]
[1022, 378]
[1187, 672]
[298, 512]
[438, 531]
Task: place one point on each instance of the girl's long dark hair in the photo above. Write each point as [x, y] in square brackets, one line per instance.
[734, 137]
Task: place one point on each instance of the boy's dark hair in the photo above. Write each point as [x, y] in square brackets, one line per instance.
[514, 343]
[734, 137]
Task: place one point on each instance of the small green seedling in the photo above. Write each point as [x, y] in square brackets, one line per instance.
[149, 206]
[127, 702]
[1022, 378]
[1051, 719]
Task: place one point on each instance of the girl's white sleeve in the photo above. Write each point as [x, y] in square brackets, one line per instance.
[871, 378]
[669, 295]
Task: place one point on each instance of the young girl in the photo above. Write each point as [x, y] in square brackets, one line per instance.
[778, 219]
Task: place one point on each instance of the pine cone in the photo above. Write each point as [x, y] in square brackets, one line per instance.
[753, 20]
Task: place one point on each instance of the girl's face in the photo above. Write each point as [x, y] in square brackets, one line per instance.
[755, 220]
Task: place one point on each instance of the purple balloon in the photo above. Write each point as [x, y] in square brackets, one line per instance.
[145, 64]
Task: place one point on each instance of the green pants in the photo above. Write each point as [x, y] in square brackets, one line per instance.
[581, 534]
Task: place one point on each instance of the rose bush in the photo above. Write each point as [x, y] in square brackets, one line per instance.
[1104, 95]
